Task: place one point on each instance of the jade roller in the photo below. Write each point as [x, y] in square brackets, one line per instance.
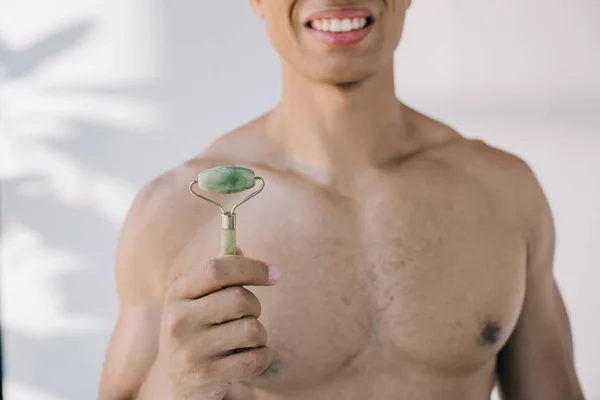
[227, 180]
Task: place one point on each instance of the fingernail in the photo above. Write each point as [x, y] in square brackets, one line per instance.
[274, 274]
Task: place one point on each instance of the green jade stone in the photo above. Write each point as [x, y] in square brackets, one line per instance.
[228, 242]
[226, 179]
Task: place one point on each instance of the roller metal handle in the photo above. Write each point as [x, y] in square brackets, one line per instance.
[226, 180]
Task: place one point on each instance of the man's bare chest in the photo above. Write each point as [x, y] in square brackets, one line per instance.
[412, 274]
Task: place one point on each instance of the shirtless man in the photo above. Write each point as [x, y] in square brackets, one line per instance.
[387, 258]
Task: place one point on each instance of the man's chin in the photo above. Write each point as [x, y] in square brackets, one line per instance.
[342, 76]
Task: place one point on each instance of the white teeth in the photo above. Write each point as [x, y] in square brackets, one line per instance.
[337, 25]
[346, 25]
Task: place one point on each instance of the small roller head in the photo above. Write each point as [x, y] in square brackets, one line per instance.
[226, 179]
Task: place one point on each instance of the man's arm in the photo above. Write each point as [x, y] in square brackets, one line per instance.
[134, 340]
[160, 224]
[537, 362]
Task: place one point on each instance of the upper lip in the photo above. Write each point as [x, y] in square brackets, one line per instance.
[339, 13]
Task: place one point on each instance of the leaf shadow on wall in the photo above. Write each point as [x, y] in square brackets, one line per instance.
[68, 366]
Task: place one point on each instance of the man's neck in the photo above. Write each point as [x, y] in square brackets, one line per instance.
[331, 127]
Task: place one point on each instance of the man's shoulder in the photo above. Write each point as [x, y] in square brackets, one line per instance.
[169, 192]
[512, 180]
[162, 220]
[241, 146]
[495, 167]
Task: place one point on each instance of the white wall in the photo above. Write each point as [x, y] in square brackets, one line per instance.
[97, 96]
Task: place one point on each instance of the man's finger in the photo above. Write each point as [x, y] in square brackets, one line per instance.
[225, 305]
[223, 272]
[220, 340]
[245, 364]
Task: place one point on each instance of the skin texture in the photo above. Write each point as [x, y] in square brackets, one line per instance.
[414, 263]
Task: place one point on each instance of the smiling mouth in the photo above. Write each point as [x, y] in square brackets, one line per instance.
[340, 25]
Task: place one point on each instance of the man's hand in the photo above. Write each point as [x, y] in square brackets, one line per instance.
[210, 335]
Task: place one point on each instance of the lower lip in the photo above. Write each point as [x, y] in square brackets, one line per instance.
[341, 38]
